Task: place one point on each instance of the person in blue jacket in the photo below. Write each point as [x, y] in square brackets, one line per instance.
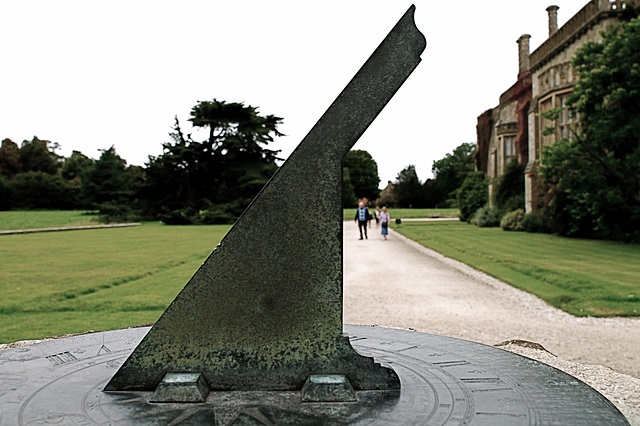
[362, 218]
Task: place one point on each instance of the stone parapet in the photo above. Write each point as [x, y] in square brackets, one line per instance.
[588, 16]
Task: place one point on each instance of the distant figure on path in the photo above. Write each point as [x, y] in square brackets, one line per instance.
[377, 216]
[384, 222]
[362, 217]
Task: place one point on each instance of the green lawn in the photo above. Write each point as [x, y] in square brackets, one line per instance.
[349, 214]
[68, 282]
[582, 277]
[45, 219]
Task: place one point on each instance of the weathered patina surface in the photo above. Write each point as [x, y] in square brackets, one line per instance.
[265, 309]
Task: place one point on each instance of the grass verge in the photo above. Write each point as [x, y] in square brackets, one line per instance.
[581, 277]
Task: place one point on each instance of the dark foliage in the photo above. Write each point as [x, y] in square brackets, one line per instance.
[9, 159]
[349, 198]
[362, 175]
[221, 174]
[39, 156]
[408, 188]
[593, 179]
[6, 194]
[449, 174]
[508, 194]
[473, 195]
[106, 179]
[533, 223]
[40, 190]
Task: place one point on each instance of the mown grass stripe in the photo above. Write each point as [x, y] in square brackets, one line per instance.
[582, 277]
[96, 273]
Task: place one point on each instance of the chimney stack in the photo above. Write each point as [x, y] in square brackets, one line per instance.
[523, 53]
[553, 19]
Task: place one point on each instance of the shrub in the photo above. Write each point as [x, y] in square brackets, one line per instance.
[512, 221]
[486, 217]
[39, 190]
[117, 213]
[532, 223]
[450, 203]
[222, 213]
[177, 217]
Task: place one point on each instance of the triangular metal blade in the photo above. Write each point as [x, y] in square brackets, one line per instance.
[265, 309]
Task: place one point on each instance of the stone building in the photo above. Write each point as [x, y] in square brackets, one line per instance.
[387, 198]
[513, 130]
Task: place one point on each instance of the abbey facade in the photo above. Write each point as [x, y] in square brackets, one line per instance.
[513, 130]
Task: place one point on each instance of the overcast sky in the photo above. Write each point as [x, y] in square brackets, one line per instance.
[92, 74]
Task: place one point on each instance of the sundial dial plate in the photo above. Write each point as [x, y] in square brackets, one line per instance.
[445, 381]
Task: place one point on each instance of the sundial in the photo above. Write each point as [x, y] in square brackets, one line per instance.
[256, 336]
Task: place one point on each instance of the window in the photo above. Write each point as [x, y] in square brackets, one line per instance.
[566, 121]
[509, 148]
[565, 124]
[546, 139]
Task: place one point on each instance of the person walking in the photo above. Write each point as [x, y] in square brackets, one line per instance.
[376, 213]
[385, 219]
[362, 217]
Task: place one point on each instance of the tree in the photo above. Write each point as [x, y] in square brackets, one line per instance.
[408, 188]
[220, 174]
[450, 172]
[593, 179]
[473, 195]
[9, 159]
[433, 196]
[40, 190]
[106, 181]
[363, 174]
[39, 155]
[6, 194]
[74, 166]
[349, 198]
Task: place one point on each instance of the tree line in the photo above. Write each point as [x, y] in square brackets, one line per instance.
[361, 181]
[211, 180]
[192, 181]
[198, 181]
[440, 191]
[34, 176]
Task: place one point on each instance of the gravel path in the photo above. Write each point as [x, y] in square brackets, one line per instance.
[398, 283]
